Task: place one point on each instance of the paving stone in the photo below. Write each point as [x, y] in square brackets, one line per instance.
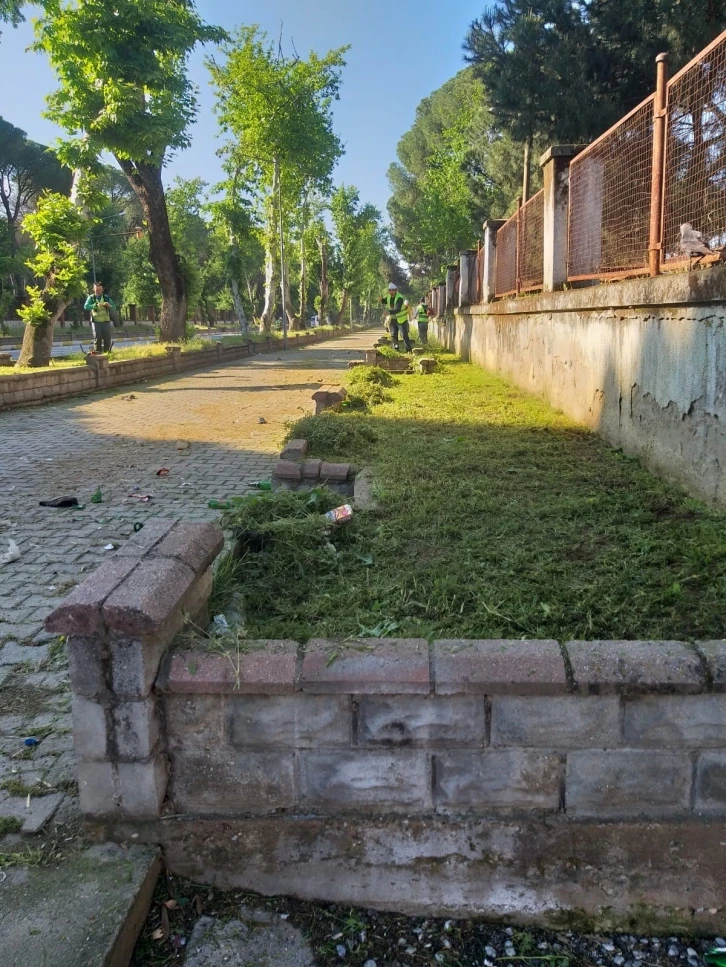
[33, 816]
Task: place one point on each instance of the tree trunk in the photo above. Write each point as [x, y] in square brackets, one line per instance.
[268, 310]
[324, 283]
[343, 307]
[303, 282]
[293, 323]
[37, 347]
[146, 181]
[239, 308]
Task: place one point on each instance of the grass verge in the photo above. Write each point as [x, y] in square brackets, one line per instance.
[500, 518]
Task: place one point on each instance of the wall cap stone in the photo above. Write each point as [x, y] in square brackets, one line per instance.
[602, 667]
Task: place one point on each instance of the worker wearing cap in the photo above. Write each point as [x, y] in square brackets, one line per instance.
[422, 318]
[397, 308]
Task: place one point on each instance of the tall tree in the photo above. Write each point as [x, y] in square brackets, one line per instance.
[360, 243]
[277, 112]
[124, 89]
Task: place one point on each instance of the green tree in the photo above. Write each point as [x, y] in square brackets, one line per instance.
[360, 244]
[10, 12]
[124, 89]
[57, 227]
[277, 111]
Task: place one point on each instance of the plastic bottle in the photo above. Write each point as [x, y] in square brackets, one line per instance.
[261, 484]
[219, 505]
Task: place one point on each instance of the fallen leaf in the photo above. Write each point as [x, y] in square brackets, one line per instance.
[197, 901]
[165, 922]
[171, 904]
[158, 934]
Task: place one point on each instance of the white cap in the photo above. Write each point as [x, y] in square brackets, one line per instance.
[391, 286]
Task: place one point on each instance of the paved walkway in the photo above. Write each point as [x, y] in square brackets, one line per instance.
[206, 429]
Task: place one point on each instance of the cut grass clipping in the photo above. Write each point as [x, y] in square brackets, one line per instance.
[500, 518]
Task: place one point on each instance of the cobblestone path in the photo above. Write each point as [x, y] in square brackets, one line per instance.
[203, 427]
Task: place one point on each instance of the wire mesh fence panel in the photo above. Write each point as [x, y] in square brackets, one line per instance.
[506, 268]
[695, 168]
[531, 243]
[610, 186]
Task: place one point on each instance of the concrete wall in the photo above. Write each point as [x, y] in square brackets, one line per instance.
[533, 780]
[27, 389]
[642, 362]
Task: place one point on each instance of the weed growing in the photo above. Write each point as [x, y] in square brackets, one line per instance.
[500, 518]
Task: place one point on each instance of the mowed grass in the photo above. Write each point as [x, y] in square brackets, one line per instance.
[500, 518]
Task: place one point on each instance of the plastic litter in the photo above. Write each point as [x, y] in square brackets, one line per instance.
[12, 553]
[164, 472]
[716, 957]
[261, 419]
[183, 445]
[110, 547]
[31, 741]
[144, 498]
[341, 515]
[60, 502]
[261, 484]
[220, 622]
[137, 527]
[219, 505]
[97, 498]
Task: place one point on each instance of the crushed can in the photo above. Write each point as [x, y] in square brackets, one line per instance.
[341, 515]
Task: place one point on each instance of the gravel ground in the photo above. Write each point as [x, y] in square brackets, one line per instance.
[364, 938]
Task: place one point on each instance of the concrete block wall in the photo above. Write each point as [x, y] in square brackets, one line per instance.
[522, 779]
[583, 730]
[640, 362]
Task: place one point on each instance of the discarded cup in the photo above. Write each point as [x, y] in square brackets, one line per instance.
[341, 515]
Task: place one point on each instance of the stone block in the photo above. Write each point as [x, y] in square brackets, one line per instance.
[150, 535]
[136, 730]
[90, 730]
[422, 721]
[556, 722]
[232, 782]
[311, 469]
[498, 779]
[148, 598]
[87, 661]
[363, 491]
[711, 784]
[295, 450]
[341, 781]
[498, 667]
[290, 721]
[288, 470]
[334, 472]
[142, 786]
[195, 722]
[134, 665]
[264, 668]
[601, 667]
[675, 722]
[627, 783]
[81, 612]
[98, 789]
[374, 666]
[196, 545]
[714, 653]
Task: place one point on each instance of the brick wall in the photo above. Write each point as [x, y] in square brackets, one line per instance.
[26, 389]
[526, 779]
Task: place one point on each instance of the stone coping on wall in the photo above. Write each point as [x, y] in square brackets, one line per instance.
[28, 389]
[403, 666]
[699, 287]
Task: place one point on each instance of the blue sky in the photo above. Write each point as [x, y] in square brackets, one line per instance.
[401, 50]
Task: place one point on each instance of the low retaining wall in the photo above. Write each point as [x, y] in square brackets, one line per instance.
[27, 389]
[641, 362]
[557, 783]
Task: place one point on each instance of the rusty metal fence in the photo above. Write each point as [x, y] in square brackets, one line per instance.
[531, 244]
[610, 189]
[506, 267]
[695, 165]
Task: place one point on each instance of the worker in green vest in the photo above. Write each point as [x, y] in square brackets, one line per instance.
[422, 318]
[397, 308]
[102, 309]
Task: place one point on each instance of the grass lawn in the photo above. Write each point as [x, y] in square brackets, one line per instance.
[499, 518]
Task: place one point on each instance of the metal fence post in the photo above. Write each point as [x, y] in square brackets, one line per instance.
[519, 244]
[660, 111]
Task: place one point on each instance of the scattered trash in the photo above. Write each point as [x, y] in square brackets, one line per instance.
[31, 741]
[219, 505]
[12, 553]
[137, 527]
[261, 419]
[716, 957]
[261, 484]
[97, 497]
[60, 502]
[110, 547]
[130, 397]
[144, 498]
[183, 445]
[341, 515]
[220, 622]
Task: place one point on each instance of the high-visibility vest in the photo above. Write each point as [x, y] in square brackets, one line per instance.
[395, 305]
[423, 313]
